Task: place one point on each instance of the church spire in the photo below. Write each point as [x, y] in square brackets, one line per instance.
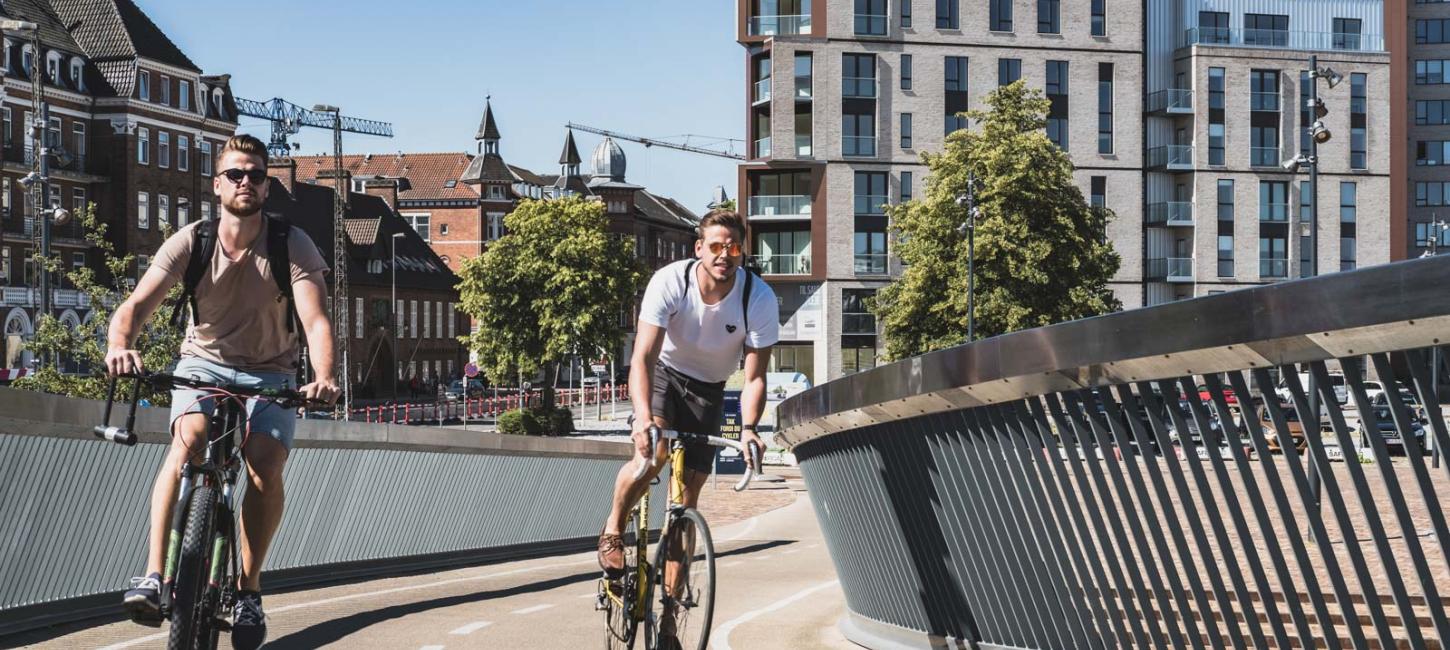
[488, 129]
[569, 159]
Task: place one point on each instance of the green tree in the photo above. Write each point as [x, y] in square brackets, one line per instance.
[1041, 253]
[557, 282]
[85, 347]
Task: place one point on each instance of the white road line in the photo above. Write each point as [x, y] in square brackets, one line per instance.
[593, 595]
[721, 637]
[471, 628]
[789, 551]
[431, 647]
[535, 608]
[382, 592]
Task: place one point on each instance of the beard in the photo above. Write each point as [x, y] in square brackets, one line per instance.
[243, 205]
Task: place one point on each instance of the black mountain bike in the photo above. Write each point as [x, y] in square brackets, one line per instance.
[198, 583]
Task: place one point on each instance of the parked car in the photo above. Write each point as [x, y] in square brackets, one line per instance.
[1407, 398]
[1385, 423]
[455, 389]
[1295, 429]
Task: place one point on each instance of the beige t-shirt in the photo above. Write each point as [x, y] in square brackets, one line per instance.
[242, 319]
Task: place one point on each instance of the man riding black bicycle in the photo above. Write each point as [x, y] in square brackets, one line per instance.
[697, 318]
[241, 332]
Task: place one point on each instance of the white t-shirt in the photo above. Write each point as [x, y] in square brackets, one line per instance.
[707, 341]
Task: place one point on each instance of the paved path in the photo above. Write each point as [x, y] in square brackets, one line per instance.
[777, 589]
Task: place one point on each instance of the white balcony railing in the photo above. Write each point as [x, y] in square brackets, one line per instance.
[870, 264]
[788, 264]
[762, 91]
[1170, 213]
[790, 206]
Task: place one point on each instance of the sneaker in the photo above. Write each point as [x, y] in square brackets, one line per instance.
[143, 601]
[249, 624]
[611, 554]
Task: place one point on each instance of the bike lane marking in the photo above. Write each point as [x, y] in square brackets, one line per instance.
[721, 636]
[471, 628]
[535, 608]
[431, 647]
[370, 594]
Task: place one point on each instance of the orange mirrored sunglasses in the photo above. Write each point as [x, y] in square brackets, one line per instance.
[733, 250]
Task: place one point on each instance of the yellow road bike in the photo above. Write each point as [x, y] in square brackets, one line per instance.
[683, 569]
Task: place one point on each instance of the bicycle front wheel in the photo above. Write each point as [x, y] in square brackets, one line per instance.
[190, 624]
[685, 560]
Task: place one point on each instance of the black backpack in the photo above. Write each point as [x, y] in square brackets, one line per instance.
[744, 297]
[203, 248]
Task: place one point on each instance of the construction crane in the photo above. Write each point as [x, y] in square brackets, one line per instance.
[287, 119]
[729, 143]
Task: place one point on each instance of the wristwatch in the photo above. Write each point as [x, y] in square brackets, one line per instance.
[748, 427]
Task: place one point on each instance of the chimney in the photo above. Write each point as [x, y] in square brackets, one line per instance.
[324, 178]
[284, 170]
[387, 188]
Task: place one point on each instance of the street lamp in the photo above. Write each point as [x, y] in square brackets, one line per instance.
[968, 200]
[393, 327]
[1437, 230]
[37, 181]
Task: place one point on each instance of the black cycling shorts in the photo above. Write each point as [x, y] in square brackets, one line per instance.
[690, 405]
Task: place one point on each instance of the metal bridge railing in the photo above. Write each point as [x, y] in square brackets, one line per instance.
[1036, 490]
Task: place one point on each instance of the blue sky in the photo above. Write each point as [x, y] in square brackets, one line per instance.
[652, 68]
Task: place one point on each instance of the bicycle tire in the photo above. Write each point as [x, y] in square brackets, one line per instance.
[690, 616]
[189, 625]
[620, 626]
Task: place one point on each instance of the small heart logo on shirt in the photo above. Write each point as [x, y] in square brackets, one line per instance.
[730, 329]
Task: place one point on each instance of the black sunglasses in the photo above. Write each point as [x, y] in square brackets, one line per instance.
[254, 175]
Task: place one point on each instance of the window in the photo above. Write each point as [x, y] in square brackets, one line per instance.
[357, 319]
[1266, 29]
[398, 318]
[946, 14]
[1008, 71]
[956, 93]
[166, 90]
[52, 132]
[1105, 108]
[1431, 194]
[55, 196]
[5, 276]
[495, 225]
[143, 145]
[77, 261]
[183, 95]
[27, 59]
[1100, 18]
[1431, 31]
[1348, 200]
[143, 262]
[412, 319]
[8, 125]
[443, 230]
[1431, 152]
[78, 141]
[143, 210]
[452, 320]
[906, 189]
[1424, 233]
[1358, 121]
[1306, 202]
[856, 355]
[999, 15]
[1225, 256]
[52, 68]
[1264, 90]
[203, 148]
[205, 210]
[906, 130]
[1306, 245]
[871, 17]
[78, 198]
[858, 75]
[183, 153]
[906, 14]
[163, 149]
[1213, 27]
[856, 316]
[1049, 17]
[1216, 128]
[143, 85]
[183, 211]
[1273, 201]
[163, 210]
[419, 222]
[1346, 33]
[870, 247]
[1098, 192]
[1347, 253]
[1264, 120]
[783, 253]
[906, 72]
[427, 319]
[871, 193]
[858, 134]
[1057, 108]
[1427, 112]
[1273, 256]
[77, 74]
[1429, 72]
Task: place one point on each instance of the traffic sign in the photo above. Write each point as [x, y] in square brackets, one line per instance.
[598, 368]
[471, 370]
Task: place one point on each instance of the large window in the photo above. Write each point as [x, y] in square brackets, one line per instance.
[1434, 111]
[1213, 27]
[858, 75]
[143, 145]
[1105, 108]
[906, 14]
[1099, 17]
[956, 93]
[1049, 17]
[1225, 255]
[1430, 153]
[906, 190]
[1264, 118]
[1216, 128]
[1429, 72]
[946, 14]
[783, 253]
[1266, 29]
[870, 249]
[163, 149]
[1358, 122]
[183, 95]
[203, 149]
[856, 316]
[1008, 71]
[1432, 31]
[1057, 107]
[143, 85]
[1347, 33]
[1431, 194]
[1273, 201]
[871, 193]
[1273, 256]
[871, 17]
[999, 15]
[419, 222]
[1348, 202]
[858, 134]
[183, 153]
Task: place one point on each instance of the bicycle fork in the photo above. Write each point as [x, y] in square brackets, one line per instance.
[173, 539]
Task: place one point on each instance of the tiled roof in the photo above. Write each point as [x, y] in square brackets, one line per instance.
[362, 232]
[530, 177]
[428, 174]
[664, 209]
[112, 33]
[52, 28]
[488, 167]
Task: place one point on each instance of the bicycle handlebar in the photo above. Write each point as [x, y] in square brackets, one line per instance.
[656, 435]
[126, 435]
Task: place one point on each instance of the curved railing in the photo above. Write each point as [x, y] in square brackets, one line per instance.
[1142, 479]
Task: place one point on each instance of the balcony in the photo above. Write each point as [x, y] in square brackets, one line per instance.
[1172, 101]
[1170, 213]
[1171, 157]
[858, 145]
[859, 87]
[1169, 269]
[762, 147]
[1276, 38]
[780, 25]
[871, 203]
[1273, 267]
[788, 264]
[762, 92]
[1264, 102]
[784, 207]
[869, 25]
[870, 264]
[1264, 156]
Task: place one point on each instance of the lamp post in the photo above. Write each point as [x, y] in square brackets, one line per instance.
[38, 180]
[968, 200]
[393, 326]
[1437, 229]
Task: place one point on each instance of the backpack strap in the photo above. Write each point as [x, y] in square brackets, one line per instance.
[280, 261]
[689, 275]
[203, 248]
[745, 301]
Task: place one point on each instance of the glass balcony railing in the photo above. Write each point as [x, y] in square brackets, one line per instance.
[788, 264]
[762, 90]
[762, 147]
[784, 205]
[858, 145]
[1278, 38]
[871, 203]
[1171, 100]
[870, 264]
[780, 25]
[858, 323]
[1179, 156]
[1264, 101]
[858, 87]
[1170, 269]
[1264, 156]
[1273, 267]
[1170, 213]
[868, 25]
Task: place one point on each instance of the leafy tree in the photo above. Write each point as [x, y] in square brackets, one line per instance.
[85, 347]
[1041, 252]
[555, 283]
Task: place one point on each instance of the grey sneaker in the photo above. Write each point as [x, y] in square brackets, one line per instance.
[143, 601]
[249, 624]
